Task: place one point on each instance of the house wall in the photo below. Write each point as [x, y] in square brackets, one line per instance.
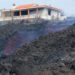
[52, 16]
[61, 17]
[0, 16]
[33, 14]
[42, 13]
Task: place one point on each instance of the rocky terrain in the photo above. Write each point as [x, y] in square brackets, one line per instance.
[10, 29]
[52, 54]
[15, 34]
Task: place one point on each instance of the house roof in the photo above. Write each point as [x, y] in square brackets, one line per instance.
[25, 6]
[34, 6]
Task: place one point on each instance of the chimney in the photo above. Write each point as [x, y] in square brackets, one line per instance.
[14, 6]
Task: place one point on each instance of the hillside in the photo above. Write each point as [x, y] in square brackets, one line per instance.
[10, 30]
[16, 34]
[52, 54]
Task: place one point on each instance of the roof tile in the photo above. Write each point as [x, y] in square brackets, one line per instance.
[34, 5]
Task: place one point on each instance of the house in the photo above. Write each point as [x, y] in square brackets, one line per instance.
[30, 11]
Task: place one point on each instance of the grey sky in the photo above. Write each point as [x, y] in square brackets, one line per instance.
[68, 6]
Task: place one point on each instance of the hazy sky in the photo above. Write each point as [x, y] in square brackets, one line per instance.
[68, 6]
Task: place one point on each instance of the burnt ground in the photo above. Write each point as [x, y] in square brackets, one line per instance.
[13, 34]
[10, 29]
[53, 54]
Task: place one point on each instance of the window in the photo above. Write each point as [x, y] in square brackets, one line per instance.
[24, 12]
[16, 13]
[49, 12]
[34, 10]
[7, 14]
[41, 8]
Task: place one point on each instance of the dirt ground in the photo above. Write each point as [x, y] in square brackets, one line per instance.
[53, 54]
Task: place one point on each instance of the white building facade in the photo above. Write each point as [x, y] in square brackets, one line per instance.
[32, 11]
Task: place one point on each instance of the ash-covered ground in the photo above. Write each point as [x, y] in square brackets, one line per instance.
[51, 54]
[15, 34]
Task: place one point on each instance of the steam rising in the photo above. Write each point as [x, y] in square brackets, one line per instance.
[26, 36]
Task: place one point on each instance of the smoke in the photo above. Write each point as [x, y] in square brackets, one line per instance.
[23, 37]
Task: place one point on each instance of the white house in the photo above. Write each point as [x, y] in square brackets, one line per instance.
[32, 11]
